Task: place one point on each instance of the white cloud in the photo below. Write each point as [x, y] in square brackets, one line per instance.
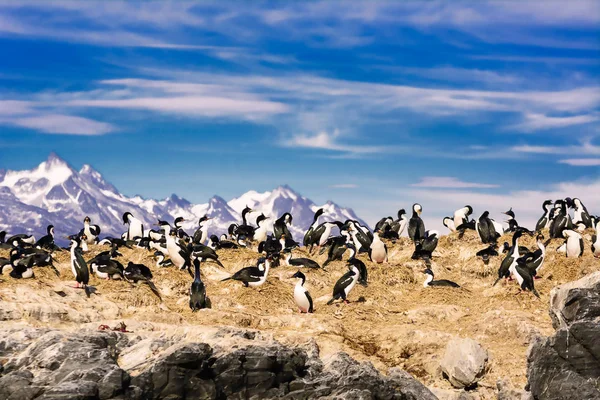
[449, 182]
[329, 141]
[344, 186]
[63, 124]
[205, 106]
[28, 114]
[535, 122]
[585, 148]
[581, 162]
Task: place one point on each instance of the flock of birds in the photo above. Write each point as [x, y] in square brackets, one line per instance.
[172, 246]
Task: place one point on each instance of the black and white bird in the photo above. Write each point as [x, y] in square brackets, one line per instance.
[345, 284]
[254, 276]
[363, 275]
[308, 241]
[322, 232]
[383, 222]
[23, 237]
[581, 216]
[139, 273]
[486, 228]
[260, 234]
[280, 227]
[416, 227]
[360, 235]
[78, 265]
[178, 226]
[301, 295]
[198, 298]
[429, 280]
[161, 260]
[544, 221]
[245, 229]
[573, 244]
[201, 234]
[535, 260]
[449, 223]
[596, 239]
[135, 226]
[425, 248]
[47, 242]
[337, 248]
[488, 252]
[221, 243]
[299, 262]
[21, 268]
[378, 250]
[513, 225]
[92, 232]
[461, 216]
[400, 224]
[524, 276]
[107, 268]
[178, 252]
[561, 219]
[510, 260]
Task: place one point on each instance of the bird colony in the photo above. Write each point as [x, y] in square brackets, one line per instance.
[562, 220]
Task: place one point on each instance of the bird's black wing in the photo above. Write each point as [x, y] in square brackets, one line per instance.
[310, 302]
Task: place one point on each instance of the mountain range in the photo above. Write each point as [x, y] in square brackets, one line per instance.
[56, 193]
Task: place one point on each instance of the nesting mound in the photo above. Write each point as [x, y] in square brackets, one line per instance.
[394, 322]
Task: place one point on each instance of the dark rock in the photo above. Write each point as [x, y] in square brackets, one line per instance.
[58, 365]
[567, 365]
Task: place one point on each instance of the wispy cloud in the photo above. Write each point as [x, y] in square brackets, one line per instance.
[449, 182]
[344, 186]
[27, 114]
[63, 124]
[538, 59]
[581, 162]
[535, 122]
[330, 142]
[584, 148]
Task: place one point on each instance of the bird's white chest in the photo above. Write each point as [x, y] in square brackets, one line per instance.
[262, 280]
[135, 229]
[378, 253]
[518, 277]
[325, 235]
[428, 280]
[88, 233]
[27, 274]
[260, 234]
[573, 249]
[300, 297]
[173, 250]
[348, 288]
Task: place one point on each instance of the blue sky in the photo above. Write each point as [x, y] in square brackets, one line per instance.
[374, 105]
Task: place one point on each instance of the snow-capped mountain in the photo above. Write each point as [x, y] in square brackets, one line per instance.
[55, 193]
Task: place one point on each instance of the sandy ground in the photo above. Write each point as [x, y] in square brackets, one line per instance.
[399, 323]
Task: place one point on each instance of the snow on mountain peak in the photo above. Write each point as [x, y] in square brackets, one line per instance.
[31, 186]
[56, 193]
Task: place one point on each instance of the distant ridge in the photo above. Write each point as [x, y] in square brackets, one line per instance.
[55, 193]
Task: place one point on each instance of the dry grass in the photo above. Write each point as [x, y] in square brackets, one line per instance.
[399, 323]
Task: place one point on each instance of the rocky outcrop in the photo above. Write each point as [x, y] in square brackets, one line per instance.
[54, 364]
[567, 365]
[464, 362]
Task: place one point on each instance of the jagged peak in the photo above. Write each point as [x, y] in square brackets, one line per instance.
[217, 199]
